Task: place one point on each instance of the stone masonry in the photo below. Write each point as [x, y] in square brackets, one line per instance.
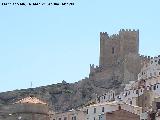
[119, 57]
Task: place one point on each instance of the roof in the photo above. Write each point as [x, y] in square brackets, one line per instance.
[114, 103]
[31, 100]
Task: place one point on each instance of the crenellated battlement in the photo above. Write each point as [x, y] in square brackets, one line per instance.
[149, 59]
[145, 57]
[95, 69]
[128, 30]
[114, 37]
[155, 57]
[103, 33]
[105, 36]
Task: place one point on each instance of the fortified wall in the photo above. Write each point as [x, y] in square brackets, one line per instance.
[119, 57]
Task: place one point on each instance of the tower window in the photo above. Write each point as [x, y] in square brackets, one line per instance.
[65, 118]
[145, 97]
[94, 110]
[159, 61]
[102, 109]
[112, 50]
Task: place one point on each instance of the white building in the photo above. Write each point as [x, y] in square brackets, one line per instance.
[107, 97]
[150, 69]
[69, 115]
[94, 112]
[148, 79]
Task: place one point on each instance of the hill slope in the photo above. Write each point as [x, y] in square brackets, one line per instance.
[63, 96]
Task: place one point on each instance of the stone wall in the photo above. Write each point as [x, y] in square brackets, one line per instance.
[121, 115]
[119, 57]
[145, 100]
[30, 108]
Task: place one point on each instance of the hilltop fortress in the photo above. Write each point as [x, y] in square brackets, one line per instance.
[120, 66]
[124, 84]
[119, 57]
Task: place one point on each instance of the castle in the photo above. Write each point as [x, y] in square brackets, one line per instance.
[138, 75]
[119, 57]
[120, 61]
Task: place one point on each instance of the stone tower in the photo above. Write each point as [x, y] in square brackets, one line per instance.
[114, 48]
[119, 57]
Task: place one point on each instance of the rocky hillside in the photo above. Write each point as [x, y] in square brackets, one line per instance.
[63, 96]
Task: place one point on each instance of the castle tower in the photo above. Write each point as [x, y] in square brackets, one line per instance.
[114, 48]
[129, 41]
[103, 38]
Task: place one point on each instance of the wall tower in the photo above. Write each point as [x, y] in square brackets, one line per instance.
[114, 48]
[119, 57]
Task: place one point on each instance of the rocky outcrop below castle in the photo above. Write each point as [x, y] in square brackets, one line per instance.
[63, 96]
[119, 63]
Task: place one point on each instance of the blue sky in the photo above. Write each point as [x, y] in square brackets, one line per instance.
[48, 44]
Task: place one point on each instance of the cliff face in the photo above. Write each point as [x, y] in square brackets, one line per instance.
[119, 64]
[63, 96]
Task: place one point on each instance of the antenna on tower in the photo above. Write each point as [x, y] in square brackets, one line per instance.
[31, 84]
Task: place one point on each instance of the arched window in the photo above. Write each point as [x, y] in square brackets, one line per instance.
[119, 107]
[112, 50]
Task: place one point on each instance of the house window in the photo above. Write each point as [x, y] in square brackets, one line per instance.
[74, 117]
[119, 107]
[112, 50]
[94, 110]
[131, 102]
[65, 118]
[154, 87]
[94, 118]
[87, 111]
[102, 109]
[145, 105]
[157, 86]
[59, 119]
[159, 73]
[145, 97]
[126, 94]
[136, 91]
[141, 90]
